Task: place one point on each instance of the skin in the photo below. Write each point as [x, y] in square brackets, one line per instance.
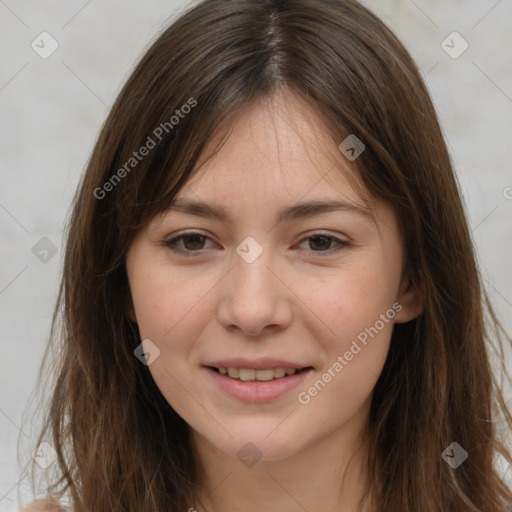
[302, 299]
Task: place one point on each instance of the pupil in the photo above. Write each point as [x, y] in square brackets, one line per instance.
[196, 237]
[320, 237]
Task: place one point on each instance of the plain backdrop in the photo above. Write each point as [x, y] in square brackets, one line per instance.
[52, 109]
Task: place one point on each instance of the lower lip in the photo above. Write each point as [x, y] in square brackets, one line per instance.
[257, 391]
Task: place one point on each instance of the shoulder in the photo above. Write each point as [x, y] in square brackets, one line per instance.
[42, 505]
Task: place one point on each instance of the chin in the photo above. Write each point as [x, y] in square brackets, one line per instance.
[251, 445]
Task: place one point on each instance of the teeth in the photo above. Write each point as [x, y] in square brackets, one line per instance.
[264, 374]
[233, 373]
[279, 372]
[246, 374]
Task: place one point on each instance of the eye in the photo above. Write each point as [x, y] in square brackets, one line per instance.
[192, 242]
[320, 242]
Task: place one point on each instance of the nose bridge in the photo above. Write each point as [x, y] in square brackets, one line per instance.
[254, 298]
[254, 277]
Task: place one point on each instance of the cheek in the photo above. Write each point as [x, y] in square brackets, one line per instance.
[357, 309]
[164, 302]
[169, 309]
[351, 301]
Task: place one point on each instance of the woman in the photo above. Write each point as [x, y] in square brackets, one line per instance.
[270, 292]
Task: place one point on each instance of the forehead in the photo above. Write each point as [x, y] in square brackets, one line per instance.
[277, 149]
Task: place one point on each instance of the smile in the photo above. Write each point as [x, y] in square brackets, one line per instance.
[256, 386]
[250, 374]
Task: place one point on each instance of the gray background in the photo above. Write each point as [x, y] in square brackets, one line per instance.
[52, 109]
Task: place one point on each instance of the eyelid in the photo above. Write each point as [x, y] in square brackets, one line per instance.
[340, 243]
[172, 243]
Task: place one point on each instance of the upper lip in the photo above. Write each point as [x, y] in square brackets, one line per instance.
[255, 364]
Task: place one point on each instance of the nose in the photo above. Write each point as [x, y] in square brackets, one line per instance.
[255, 299]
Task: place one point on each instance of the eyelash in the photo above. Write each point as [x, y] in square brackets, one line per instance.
[172, 243]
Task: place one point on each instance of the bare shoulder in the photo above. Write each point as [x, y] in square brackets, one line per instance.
[42, 505]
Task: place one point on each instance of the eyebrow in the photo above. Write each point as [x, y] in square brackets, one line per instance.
[295, 212]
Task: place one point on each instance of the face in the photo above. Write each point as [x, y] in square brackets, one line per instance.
[268, 284]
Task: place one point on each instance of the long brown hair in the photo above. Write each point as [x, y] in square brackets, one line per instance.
[120, 445]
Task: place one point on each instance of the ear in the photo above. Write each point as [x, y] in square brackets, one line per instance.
[409, 297]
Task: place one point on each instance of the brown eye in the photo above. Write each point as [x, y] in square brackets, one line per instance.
[193, 242]
[187, 243]
[320, 242]
[324, 243]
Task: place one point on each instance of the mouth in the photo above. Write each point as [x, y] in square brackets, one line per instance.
[262, 385]
[261, 375]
